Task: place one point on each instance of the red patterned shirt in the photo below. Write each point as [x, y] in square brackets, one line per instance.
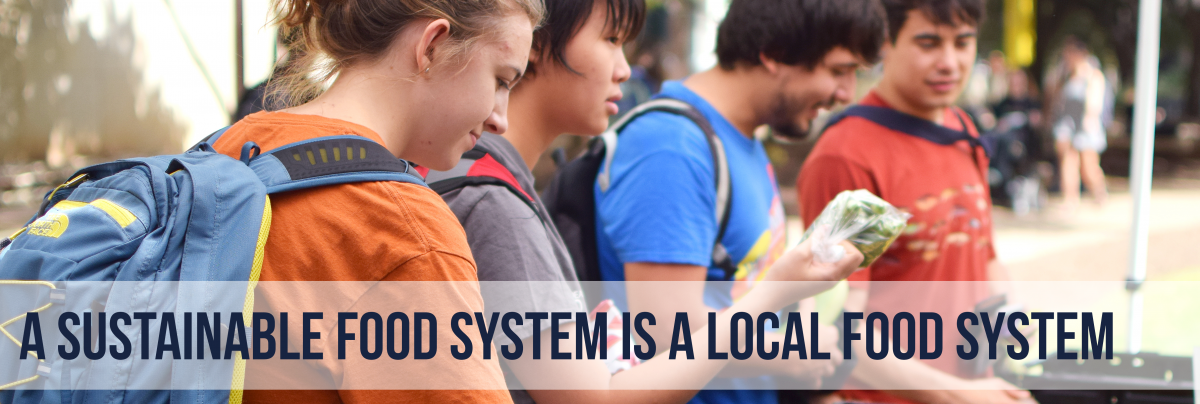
[949, 237]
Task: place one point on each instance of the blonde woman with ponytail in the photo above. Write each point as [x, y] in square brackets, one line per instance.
[425, 79]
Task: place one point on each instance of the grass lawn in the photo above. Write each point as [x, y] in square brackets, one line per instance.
[1170, 315]
[1171, 322]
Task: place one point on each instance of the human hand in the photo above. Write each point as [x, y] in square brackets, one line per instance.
[990, 391]
[800, 275]
[809, 374]
[828, 335]
[799, 264]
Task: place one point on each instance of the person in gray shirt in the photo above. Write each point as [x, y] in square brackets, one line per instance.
[573, 84]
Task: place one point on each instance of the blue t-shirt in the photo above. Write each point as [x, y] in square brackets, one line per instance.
[660, 208]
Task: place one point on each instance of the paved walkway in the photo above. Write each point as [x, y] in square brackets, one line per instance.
[1094, 242]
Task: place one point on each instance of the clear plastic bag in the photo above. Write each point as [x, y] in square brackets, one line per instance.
[868, 222]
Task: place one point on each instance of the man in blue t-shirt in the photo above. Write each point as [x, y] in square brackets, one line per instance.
[781, 61]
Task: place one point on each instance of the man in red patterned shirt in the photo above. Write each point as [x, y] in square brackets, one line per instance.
[942, 185]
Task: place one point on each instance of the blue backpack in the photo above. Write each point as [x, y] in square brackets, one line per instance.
[570, 197]
[143, 227]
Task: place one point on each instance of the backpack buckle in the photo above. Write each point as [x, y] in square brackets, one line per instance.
[58, 296]
[43, 370]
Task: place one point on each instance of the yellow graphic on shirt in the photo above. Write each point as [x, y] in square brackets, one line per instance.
[761, 246]
[926, 202]
[946, 220]
[958, 238]
[769, 246]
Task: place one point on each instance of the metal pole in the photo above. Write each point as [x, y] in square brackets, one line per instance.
[1196, 373]
[240, 52]
[1144, 108]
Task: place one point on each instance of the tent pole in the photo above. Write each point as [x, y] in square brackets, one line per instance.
[1142, 158]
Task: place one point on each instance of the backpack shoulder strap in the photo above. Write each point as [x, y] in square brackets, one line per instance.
[477, 167]
[911, 125]
[724, 186]
[207, 142]
[328, 160]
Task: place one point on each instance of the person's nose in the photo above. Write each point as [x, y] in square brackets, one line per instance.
[845, 91]
[621, 71]
[947, 59]
[497, 121]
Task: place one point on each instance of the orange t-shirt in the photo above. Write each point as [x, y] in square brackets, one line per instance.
[948, 241]
[365, 232]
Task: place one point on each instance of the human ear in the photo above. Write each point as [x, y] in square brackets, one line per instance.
[770, 64]
[433, 36]
[534, 64]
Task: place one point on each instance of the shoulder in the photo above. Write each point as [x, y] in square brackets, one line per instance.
[362, 231]
[429, 221]
[662, 131]
[508, 239]
[272, 130]
[852, 138]
[663, 144]
[473, 204]
[405, 219]
[424, 234]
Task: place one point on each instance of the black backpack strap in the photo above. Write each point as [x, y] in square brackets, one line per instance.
[724, 186]
[478, 167]
[329, 160]
[908, 124]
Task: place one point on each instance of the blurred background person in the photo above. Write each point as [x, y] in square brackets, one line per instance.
[1022, 97]
[1078, 128]
[1020, 153]
[999, 81]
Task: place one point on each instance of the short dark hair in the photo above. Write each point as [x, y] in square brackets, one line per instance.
[564, 19]
[799, 32]
[942, 12]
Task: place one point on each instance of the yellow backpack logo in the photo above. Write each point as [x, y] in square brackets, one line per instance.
[52, 224]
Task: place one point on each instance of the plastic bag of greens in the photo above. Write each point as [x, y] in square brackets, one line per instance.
[870, 223]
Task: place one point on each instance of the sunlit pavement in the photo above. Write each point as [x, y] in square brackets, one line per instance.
[1093, 242]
